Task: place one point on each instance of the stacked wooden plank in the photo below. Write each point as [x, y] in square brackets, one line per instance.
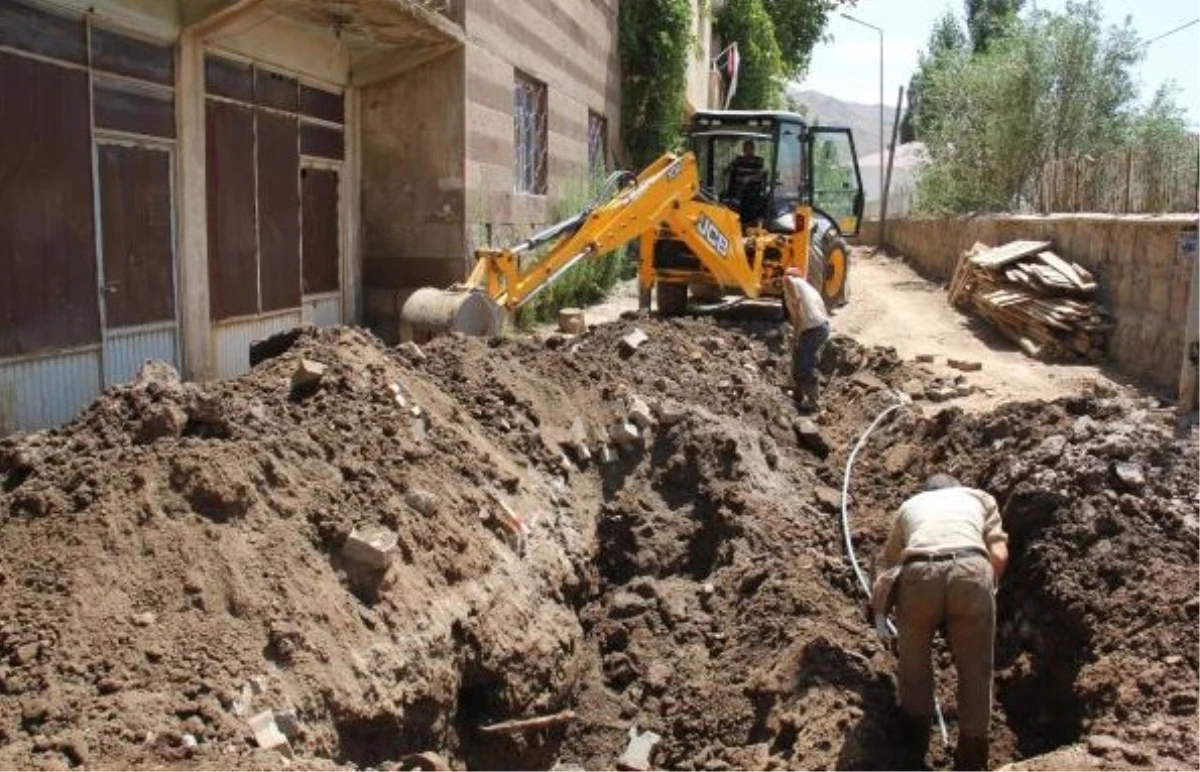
[1036, 298]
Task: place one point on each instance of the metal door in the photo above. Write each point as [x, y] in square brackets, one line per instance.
[834, 182]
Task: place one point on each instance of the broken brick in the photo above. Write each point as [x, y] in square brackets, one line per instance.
[308, 374]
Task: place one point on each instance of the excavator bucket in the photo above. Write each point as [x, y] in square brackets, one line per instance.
[429, 312]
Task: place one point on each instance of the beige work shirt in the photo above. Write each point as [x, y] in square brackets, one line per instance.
[942, 521]
[805, 307]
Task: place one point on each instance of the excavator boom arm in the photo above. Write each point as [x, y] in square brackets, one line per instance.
[664, 195]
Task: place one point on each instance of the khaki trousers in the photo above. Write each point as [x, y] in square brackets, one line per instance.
[957, 593]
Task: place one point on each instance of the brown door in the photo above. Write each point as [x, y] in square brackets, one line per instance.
[137, 257]
[135, 216]
[321, 243]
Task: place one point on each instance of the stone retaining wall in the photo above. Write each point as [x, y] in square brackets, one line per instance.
[1143, 264]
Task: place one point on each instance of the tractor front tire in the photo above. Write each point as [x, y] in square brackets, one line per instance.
[671, 298]
[837, 271]
[817, 270]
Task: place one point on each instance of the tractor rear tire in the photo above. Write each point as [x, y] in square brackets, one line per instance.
[706, 293]
[671, 298]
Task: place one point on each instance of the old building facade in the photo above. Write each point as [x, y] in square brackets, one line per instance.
[185, 176]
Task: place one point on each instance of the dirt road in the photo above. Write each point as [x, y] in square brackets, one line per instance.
[891, 305]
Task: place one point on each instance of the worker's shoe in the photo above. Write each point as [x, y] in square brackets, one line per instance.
[915, 732]
[971, 753]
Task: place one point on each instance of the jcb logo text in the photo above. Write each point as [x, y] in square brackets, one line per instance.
[709, 231]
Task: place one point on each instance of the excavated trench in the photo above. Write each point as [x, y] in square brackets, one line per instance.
[695, 586]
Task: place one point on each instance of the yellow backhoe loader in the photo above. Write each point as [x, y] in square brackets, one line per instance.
[756, 193]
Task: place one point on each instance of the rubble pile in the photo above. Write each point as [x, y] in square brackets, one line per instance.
[613, 547]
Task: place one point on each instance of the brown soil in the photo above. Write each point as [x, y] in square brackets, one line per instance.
[171, 563]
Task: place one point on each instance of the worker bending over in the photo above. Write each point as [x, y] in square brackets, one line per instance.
[810, 326]
[943, 559]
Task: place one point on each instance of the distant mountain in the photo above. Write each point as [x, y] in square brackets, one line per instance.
[862, 119]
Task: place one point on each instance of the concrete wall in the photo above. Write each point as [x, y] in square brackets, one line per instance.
[1144, 279]
[413, 147]
[283, 43]
[571, 45]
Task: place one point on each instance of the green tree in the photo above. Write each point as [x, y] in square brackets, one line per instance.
[947, 37]
[1055, 85]
[760, 84]
[799, 26]
[654, 39]
[1164, 121]
[987, 19]
[775, 39]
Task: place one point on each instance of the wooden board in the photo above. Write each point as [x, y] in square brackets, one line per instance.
[1008, 253]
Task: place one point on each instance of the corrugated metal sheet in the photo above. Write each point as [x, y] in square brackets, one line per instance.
[47, 391]
[126, 351]
[323, 311]
[232, 339]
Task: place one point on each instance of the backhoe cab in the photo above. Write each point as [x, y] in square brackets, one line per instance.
[796, 190]
[757, 193]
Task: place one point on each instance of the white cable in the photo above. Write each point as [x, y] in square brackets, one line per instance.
[882, 624]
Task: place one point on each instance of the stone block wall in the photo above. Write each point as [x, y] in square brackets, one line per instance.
[571, 47]
[412, 185]
[1144, 275]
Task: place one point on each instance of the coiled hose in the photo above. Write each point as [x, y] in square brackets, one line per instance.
[883, 625]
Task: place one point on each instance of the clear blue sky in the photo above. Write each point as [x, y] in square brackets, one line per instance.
[848, 67]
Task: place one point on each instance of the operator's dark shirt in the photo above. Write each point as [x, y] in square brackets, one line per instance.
[742, 173]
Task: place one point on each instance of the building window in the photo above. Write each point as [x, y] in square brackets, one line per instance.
[529, 129]
[597, 144]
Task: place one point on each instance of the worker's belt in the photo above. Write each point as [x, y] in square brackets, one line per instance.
[941, 557]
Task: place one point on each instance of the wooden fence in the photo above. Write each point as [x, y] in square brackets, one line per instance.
[1143, 180]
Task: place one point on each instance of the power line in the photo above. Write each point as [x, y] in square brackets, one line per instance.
[1170, 32]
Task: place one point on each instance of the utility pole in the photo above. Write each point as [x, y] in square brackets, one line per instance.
[881, 137]
[887, 183]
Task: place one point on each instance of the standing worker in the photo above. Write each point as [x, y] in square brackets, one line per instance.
[810, 327]
[943, 559]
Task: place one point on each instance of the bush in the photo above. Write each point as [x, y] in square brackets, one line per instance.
[585, 283]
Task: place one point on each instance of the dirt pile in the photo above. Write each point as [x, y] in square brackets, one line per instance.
[174, 563]
[1098, 620]
[646, 535]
